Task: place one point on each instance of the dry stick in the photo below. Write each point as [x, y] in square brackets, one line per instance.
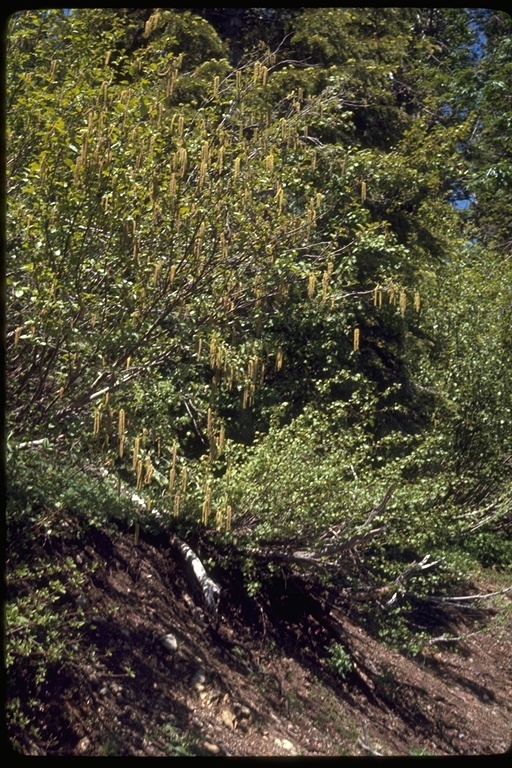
[464, 598]
[446, 639]
[198, 431]
[209, 588]
[337, 548]
[365, 745]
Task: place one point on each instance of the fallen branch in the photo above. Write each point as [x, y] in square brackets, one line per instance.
[396, 586]
[423, 565]
[316, 557]
[369, 749]
[366, 744]
[448, 639]
[43, 442]
[327, 556]
[209, 588]
[468, 598]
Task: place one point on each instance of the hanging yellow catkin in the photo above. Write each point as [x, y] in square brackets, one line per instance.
[363, 191]
[206, 508]
[279, 199]
[177, 505]
[356, 339]
[135, 456]
[172, 471]
[325, 285]
[139, 474]
[182, 157]
[171, 82]
[417, 301]
[403, 302]
[228, 517]
[213, 351]
[97, 421]
[202, 174]
[311, 284]
[156, 274]
[279, 359]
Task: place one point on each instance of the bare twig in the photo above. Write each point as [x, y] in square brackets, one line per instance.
[447, 639]
[468, 598]
[379, 509]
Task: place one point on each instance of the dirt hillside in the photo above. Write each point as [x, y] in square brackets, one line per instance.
[157, 678]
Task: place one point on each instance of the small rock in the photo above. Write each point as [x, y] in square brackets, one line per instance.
[244, 726]
[83, 745]
[287, 745]
[170, 643]
[228, 718]
[199, 679]
[213, 749]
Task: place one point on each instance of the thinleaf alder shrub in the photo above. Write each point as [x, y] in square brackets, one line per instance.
[257, 283]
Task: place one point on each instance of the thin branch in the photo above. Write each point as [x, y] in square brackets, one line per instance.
[447, 639]
[467, 598]
[379, 509]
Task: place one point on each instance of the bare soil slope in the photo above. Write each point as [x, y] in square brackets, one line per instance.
[252, 687]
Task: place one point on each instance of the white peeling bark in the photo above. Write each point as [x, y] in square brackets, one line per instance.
[209, 588]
